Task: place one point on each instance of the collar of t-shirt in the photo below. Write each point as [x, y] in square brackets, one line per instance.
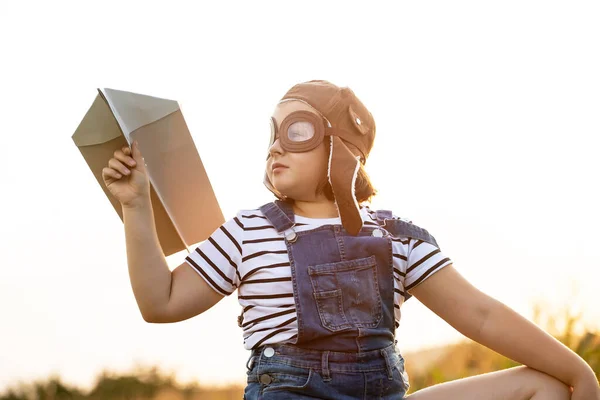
[326, 221]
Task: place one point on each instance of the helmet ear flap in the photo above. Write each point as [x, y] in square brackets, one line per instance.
[343, 172]
[269, 185]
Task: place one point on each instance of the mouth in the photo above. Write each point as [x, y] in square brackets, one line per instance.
[278, 167]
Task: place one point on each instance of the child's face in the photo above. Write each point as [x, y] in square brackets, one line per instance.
[304, 170]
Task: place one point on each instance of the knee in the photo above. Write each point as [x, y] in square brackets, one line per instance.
[544, 386]
[554, 389]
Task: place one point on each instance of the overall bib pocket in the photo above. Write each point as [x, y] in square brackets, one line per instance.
[347, 293]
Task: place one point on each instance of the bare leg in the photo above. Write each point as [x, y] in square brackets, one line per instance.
[519, 383]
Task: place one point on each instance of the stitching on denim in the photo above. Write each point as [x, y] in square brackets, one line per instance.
[299, 316]
[333, 366]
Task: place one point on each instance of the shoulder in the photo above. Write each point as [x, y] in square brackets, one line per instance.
[253, 223]
[235, 226]
[251, 214]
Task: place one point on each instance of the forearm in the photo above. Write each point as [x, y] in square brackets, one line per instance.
[510, 334]
[148, 269]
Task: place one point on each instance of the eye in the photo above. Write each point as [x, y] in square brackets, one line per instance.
[300, 131]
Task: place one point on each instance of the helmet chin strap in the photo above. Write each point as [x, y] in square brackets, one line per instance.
[269, 185]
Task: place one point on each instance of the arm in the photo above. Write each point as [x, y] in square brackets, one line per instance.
[161, 296]
[496, 326]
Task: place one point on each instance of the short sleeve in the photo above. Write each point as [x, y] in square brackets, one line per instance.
[424, 259]
[217, 258]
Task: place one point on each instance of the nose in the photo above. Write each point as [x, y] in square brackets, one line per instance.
[275, 148]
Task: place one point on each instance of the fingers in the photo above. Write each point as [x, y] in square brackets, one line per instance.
[122, 163]
[135, 152]
[111, 173]
[125, 157]
[118, 166]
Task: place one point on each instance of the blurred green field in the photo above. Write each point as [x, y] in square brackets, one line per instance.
[425, 368]
[469, 358]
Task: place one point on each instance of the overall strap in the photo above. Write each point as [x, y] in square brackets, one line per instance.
[400, 228]
[382, 215]
[280, 214]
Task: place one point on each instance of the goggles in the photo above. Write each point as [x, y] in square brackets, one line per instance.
[300, 131]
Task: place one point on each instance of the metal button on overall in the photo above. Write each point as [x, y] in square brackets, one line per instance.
[265, 379]
[291, 236]
[269, 352]
[377, 233]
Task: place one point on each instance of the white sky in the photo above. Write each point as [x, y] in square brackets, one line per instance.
[487, 117]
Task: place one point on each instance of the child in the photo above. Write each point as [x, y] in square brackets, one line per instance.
[321, 277]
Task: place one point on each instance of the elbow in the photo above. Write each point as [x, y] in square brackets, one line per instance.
[148, 319]
[160, 317]
[152, 317]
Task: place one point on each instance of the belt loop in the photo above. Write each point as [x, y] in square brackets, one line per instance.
[325, 366]
[388, 363]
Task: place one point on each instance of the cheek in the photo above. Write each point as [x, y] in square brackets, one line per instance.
[323, 158]
[318, 164]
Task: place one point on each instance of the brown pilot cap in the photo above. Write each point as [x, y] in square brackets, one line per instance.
[352, 136]
[348, 116]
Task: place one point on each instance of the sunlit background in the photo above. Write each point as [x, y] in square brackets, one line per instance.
[487, 136]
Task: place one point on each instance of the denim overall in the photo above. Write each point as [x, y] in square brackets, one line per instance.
[344, 295]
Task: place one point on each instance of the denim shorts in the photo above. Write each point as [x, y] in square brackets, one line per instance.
[285, 371]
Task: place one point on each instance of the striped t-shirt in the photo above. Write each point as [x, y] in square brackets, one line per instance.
[247, 253]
